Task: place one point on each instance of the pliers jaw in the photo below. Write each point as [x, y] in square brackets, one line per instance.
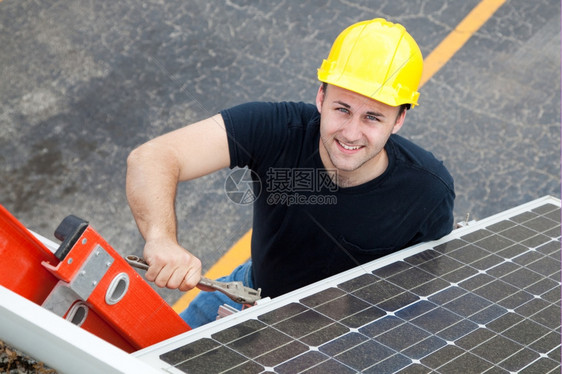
[236, 291]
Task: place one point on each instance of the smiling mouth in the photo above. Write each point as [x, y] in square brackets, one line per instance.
[349, 147]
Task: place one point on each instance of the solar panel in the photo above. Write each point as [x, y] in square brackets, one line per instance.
[486, 298]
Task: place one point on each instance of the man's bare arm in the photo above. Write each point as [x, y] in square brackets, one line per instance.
[153, 171]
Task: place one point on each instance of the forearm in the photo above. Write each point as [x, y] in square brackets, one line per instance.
[152, 177]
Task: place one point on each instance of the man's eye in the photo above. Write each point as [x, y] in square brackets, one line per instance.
[372, 118]
[343, 110]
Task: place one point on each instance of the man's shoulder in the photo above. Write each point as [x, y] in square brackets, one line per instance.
[276, 118]
[261, 133]
[274, 109]
[414, 156]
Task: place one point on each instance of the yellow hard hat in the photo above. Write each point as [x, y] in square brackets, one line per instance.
[377, 59]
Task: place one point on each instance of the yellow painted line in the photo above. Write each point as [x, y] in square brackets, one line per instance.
[458, 37]
[240, 252]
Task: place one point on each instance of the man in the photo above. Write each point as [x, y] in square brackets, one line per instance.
[339, 187]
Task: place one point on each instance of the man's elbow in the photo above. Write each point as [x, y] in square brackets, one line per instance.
[139, 162]
[135, 156]
[153, 160]
[142, 155]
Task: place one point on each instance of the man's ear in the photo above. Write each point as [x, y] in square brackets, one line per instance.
[399, 122]
[320, 98]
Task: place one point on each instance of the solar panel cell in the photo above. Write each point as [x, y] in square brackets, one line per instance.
[324, 335]
[330, 366]
[543, 365]
[390, 365]
[466, 364]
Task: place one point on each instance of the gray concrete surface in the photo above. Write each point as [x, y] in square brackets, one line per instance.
[83, 83]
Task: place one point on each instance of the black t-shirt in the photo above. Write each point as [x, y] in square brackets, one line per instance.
[305, 227]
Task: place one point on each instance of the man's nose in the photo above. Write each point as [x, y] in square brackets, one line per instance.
[351, 130]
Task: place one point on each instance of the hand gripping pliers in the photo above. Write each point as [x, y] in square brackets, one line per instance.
[236, 291]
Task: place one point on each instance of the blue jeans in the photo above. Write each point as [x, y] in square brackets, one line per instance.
[203, 309]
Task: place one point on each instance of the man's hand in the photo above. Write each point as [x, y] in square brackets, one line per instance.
[171, 265]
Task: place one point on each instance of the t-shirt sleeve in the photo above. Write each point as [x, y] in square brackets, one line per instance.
[430, 182]
[439, 222]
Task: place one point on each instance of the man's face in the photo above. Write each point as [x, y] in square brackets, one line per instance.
[353, 132]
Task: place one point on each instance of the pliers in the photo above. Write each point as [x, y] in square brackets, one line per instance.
[236, 291]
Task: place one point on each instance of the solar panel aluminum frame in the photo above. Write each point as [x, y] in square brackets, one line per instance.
[151, 355]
